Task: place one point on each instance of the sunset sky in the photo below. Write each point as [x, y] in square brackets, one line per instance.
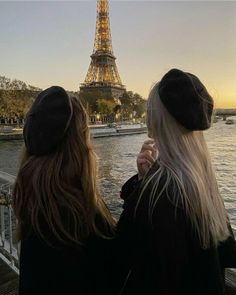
[49, 43]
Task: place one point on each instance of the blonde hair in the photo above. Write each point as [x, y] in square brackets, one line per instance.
[60, 190]
[185, 164]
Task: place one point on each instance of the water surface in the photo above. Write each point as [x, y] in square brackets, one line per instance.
[117, 162]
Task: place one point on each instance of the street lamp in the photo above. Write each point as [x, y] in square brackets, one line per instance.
[98, 117]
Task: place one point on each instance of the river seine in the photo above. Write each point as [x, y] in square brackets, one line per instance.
[117, 162]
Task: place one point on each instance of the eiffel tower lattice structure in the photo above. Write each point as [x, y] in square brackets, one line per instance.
[102, 75]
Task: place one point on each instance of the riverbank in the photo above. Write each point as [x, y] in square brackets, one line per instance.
[97, 131]
[11, 136]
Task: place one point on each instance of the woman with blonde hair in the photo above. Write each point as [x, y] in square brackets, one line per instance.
[174, 229]
[62, 219]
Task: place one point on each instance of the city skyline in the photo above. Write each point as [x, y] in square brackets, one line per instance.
[45, 43]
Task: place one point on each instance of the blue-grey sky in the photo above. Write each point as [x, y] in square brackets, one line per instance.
[45, 43]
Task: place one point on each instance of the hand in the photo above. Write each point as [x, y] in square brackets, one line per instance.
[146, 157]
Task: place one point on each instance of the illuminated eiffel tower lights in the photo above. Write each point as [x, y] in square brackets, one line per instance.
[103, 74]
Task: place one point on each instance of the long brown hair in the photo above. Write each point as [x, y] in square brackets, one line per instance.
[59, 190]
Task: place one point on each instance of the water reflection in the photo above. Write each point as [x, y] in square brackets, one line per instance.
[117, 162]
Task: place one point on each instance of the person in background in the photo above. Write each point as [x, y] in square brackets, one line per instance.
[174, 232]
[63, 223]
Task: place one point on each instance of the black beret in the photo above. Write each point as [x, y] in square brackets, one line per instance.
[47, 121]
[186, 99]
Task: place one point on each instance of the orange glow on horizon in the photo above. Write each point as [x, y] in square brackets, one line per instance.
[225, 101]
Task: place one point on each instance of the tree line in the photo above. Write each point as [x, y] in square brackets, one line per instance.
[129, 105]
[16, 98]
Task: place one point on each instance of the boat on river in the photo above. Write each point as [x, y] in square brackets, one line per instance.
[116, 130]
[229, 122]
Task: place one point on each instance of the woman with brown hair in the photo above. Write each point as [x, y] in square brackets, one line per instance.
[174, 229]
[62, 220]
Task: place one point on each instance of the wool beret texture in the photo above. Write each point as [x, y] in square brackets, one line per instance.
[186, 99]
[47, 121]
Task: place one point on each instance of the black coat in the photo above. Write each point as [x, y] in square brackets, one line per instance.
[59, 269]
[166, 258]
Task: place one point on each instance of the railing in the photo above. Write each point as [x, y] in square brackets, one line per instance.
[9, 249]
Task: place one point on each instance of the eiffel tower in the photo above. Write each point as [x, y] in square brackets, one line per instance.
[102, 75]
